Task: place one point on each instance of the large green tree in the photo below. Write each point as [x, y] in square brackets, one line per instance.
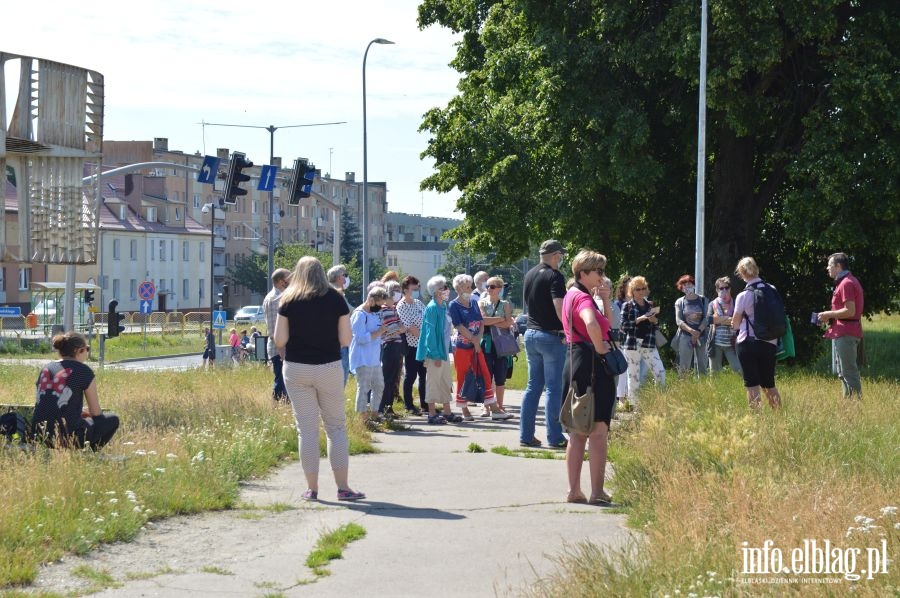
[577, 120]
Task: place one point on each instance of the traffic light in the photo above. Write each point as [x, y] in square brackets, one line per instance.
[223, 296]
[301, 184]
[88, 297]
[114, 319]
[233, 189]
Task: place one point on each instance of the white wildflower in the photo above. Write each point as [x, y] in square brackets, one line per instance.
[129, 443]
[113, 501]
[140, 452]
[171, 456]
[859, 518]
[161, 469]
[114, 514]
[87, 492]
[897, 526]
[111, 493]
[885, 511]
[98, 520]
[136, 509]
[151, 452]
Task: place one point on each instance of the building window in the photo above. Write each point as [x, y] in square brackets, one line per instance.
[162, 251]
[2, 279]
[172, 248]
[227, 255]
[116, 248]
[171, 285]
[175, 198]
[104, 282]
[202, 252]
[132, 246]
[23, 278]
[132, 289]
[115, 288]
[196, 200]
[255, 206]
[177, 214]
[185, 251]
[185, 289]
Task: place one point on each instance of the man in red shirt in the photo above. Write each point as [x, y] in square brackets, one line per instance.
[844, 325]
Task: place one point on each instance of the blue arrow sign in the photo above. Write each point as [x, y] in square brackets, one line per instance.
[267, 178]
[218, 319]
[10, 312]
[147, 306]
[209, 170]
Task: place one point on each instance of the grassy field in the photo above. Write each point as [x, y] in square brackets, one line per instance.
[700, 476]
[187, 440]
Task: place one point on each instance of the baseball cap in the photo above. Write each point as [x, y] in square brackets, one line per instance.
[551, 246]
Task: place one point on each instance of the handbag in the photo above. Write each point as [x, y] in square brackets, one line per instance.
[473, 385]
[505, 343]
[613, 361]
[577, 412]
[661, 339]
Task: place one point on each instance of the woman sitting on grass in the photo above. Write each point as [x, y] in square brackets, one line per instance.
[60, 418]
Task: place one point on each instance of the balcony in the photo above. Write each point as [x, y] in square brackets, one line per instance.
[218, 243]
[219, 271]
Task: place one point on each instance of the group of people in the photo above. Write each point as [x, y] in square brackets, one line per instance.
[317, 338]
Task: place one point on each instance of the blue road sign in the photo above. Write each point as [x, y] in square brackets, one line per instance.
[10, 312]
[209, 170]
[267, 178]
[147, 306]
[218, 319]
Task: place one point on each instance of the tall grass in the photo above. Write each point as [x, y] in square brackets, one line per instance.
[187, 440]
[701, 474]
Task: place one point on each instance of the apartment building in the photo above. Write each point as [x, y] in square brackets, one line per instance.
[414, 244]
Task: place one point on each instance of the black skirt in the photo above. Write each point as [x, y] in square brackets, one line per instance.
[584, 358]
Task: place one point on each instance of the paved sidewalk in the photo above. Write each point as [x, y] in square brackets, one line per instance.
[439, 521]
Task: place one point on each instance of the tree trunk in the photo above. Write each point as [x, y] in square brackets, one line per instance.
[736, 210]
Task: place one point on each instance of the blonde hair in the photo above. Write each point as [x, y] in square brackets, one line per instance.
[747, 267]
[587, 260]
[497, 281]
[390, 275]
[637, 281]
[307, 281]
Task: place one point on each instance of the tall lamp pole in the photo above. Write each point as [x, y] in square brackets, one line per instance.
[701, 161]
[365, 224]
[271, 221]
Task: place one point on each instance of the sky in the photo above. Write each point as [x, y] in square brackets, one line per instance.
[169, 66]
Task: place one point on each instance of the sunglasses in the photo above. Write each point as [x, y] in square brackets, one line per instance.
[727, 286]
[494, 286]
[640, 288]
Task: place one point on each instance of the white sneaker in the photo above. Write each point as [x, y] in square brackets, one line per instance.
[500, 415]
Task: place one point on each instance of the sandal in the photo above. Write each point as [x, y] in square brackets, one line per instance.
[603, 499]
[350, 495]
[576, 498]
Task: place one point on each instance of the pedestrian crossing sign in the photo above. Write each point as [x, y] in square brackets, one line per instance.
[218, 319]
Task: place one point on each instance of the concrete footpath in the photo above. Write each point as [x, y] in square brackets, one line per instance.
[439, 521]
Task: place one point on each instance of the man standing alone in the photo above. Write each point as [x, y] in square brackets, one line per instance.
[545, 348]
[844, 325]
[280, 280]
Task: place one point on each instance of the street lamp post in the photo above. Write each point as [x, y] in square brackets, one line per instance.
[365, 224]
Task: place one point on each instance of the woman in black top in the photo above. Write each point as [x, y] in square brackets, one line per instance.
[313, 324]
[60, 418]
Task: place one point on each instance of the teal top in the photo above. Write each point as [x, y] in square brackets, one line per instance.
[434, 339]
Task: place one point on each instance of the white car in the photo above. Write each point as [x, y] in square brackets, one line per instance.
[250, 314]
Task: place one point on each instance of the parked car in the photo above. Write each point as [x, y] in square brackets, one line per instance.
[250, 314]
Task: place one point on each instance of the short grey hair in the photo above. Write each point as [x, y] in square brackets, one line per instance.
[605, 280]
[335, 271]
[434, 283]
[392, 286]
[461, 279]
[480, 276]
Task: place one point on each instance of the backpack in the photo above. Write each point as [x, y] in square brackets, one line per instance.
[769, 317]
[13, 427]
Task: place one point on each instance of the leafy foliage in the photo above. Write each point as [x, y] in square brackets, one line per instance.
[577, 121]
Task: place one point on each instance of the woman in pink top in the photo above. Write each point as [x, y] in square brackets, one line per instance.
[757, 356]
[587, 332]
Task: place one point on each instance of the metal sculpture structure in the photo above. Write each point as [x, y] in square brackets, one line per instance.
[54, 138]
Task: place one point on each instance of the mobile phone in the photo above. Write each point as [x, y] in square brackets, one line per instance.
[654, 310]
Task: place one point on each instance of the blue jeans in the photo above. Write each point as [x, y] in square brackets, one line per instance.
[279, 392]
[546, 355]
